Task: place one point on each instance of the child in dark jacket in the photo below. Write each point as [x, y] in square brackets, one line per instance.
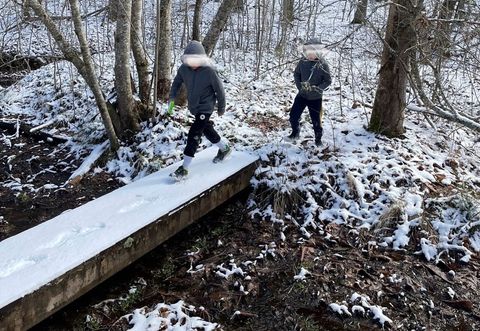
[204, 89]
[312, 77]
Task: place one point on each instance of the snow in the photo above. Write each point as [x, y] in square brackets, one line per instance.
[428, 250]
[379, 316]
[175, 317]
[451, 293]
[302, 275]
[41, 254]
[340, 309]
[376, 312]
[352, 180]
[226, 272]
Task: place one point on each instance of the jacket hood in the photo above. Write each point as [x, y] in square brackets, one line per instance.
[194, 48]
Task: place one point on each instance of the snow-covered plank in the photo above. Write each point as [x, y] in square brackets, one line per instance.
[52, 264]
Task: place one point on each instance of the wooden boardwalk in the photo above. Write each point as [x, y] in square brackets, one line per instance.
[48, 266]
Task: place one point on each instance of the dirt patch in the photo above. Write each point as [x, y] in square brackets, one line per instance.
[33, 175]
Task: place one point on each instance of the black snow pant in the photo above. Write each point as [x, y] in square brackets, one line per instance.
[314, 108]
[201, 126]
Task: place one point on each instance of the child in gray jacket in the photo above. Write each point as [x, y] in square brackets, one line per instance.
[204, 89]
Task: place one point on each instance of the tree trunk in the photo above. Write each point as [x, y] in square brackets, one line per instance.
[360, 15]
[286, 23]
[390, 99]
[218, 25]
[125, 104]
[288, 11]
[25, 9]
[141, 61]
[84, 66]
[239, 6]
[197, 19]
[112, 10]
[164, 50]
[442, 44]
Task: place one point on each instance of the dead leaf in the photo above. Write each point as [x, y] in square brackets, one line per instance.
[437, 272]
[466, 305]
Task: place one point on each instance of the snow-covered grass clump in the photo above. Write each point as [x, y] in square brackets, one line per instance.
[381, 188]
[176, 316]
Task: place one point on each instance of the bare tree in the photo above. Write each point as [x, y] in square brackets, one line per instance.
[197, 19]
[239, 6]
[112, 10]
[123, 81]
[360, 12]
[446, 13]
[390, 99]
[431, 88]
[25, 8]
[285, 23]
[164, 50]
[139, 52]
[83, 62]
[218, 24]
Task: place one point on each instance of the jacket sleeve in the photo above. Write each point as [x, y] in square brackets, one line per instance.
[177, 83]
[297, 76]
[325, 79]
[219, 91]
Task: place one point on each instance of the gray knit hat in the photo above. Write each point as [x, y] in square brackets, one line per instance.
[194, 55]
[194, 48]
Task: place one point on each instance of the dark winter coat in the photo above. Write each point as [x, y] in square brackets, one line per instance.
[312, 78]
[204, 87]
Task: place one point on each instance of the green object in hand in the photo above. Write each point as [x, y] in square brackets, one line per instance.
[171, 105]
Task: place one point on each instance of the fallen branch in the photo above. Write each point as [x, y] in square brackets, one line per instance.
[244, 314]
[455, 117]
[42, 126]
[26, 130]
[88, 163]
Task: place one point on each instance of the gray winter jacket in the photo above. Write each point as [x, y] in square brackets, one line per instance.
[312, 77]
[204, 87]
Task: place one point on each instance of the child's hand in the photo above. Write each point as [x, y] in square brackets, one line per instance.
[171, 105]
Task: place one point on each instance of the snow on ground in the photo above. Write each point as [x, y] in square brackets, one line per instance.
[175, 316]
[428, 180]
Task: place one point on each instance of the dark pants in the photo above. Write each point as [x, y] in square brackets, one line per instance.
[201, 126]
[314, 108]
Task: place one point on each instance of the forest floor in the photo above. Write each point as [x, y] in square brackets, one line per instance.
[416, 295]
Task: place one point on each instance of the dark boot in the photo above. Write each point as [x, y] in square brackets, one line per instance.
[222, 154]
[179, 174]
[292, 137]
[318, 139]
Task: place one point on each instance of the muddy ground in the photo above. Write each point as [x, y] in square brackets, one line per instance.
[413, 291]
